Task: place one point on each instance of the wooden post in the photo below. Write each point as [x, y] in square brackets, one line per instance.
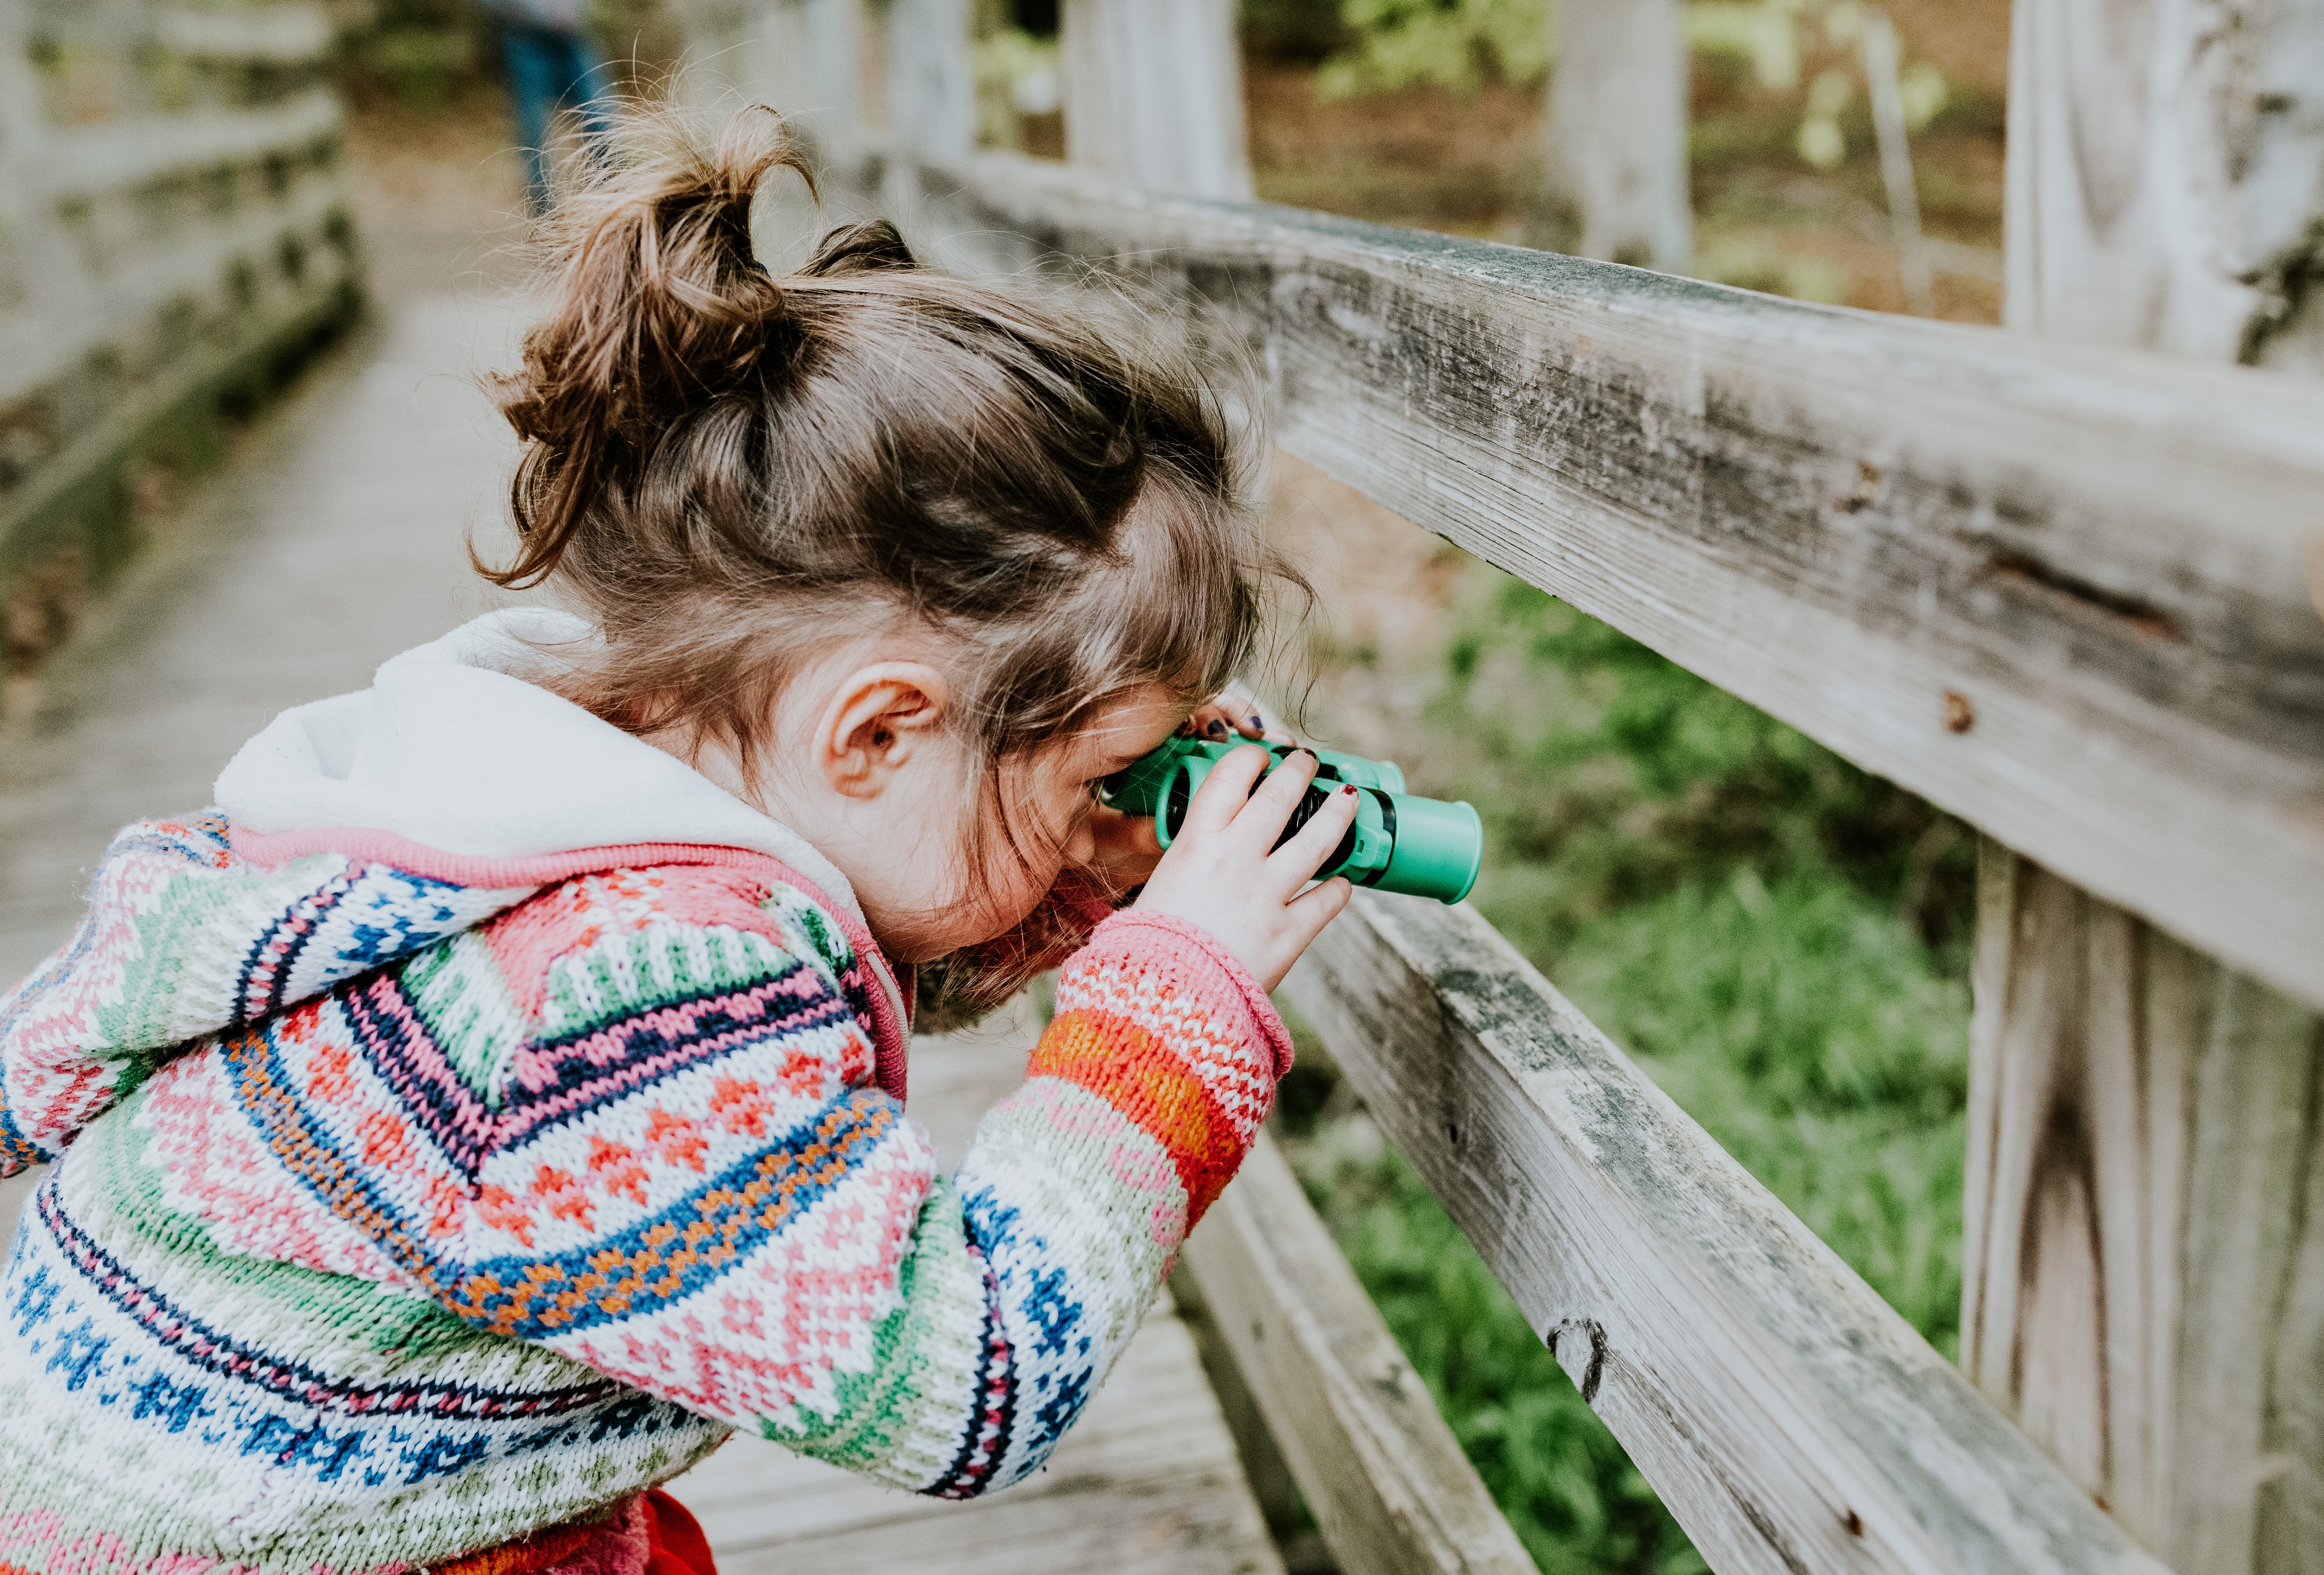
[830, 61]
[931, 85]
[1154, 94]
[2143, 1263]
[2166, 176]
[1614, 173]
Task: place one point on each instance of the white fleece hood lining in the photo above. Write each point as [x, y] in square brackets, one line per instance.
[451, 748]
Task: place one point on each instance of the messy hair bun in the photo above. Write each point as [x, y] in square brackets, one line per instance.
[661, 306]
[728, 471]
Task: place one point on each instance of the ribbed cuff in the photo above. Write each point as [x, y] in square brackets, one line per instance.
[1263, 1016]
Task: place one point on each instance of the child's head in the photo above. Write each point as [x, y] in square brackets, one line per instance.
[864, 531]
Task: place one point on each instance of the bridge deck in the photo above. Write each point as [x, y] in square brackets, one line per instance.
[335, 543]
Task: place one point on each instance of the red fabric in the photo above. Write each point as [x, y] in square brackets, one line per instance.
[675, 1541]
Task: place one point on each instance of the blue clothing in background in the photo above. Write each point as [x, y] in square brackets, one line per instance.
[549, 66]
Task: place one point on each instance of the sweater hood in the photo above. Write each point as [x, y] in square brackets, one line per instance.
[452, 749]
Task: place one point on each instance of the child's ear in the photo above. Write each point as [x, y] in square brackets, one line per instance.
[878, 716]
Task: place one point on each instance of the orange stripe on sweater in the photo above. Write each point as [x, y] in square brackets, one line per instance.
[1137, 1075]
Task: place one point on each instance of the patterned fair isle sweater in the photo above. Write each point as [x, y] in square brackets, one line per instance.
[410, 1202]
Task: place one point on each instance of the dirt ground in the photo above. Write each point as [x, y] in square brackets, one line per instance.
[1764, 218]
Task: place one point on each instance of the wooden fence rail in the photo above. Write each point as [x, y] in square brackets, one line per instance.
[2063, 593]
[1389, 1487]
[1789, 1417]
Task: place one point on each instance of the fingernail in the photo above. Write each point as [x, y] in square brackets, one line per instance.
[1252, 720]
[1349, 788]
[1216, 728]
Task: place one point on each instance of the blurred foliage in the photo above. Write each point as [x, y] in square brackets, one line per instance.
[420, 52]
[1372, 46]
[1608, 776]
[1301, 30]
[1452, 43]
[1778, 938]
[1017, 78]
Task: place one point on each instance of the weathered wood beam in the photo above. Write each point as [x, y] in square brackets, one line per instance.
[2143, 1252]
[2063, 593]
[1154, 94]
[931, 86]
[1391, 1491]
[1792, 1420]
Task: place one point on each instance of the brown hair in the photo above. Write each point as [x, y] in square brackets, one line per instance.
[726, 471]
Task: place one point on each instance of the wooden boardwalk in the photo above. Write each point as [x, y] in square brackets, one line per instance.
[335, 543]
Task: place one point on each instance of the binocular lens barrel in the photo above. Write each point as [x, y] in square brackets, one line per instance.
[1423, 847]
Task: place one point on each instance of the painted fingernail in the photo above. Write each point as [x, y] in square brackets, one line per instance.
[1216, 728]
[1252, 721]
[1349, 788]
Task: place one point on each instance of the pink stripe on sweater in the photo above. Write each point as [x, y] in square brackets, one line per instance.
[891, 1001]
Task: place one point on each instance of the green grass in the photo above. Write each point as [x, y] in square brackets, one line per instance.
[1779, 940]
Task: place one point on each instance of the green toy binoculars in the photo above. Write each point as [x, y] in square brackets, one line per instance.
[1423, 847]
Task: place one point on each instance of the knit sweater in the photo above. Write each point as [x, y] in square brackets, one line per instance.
[422, 1182]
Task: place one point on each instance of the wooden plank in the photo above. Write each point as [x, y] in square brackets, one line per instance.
[1391, 1491]
[282, 34]
[1791, 1420]
[89, 310]
[2142, 1255]
[2061, 591]
[153, 148]
[2140, 1261]
[296, 312]
[1150, 1436]
[931, 90]
[1154, 94]
[1613, 151]
[2165, 167]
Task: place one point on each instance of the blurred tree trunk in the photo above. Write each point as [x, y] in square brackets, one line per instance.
[1613, 182]
[1154, 94]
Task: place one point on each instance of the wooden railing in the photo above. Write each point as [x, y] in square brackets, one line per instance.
[172, 215]
[2073, 595]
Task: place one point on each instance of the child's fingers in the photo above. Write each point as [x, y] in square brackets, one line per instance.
[1263, 819]
[1316, 907]
[1225, 717]
[1226, 791]
[1297, 860]
[1230, 715]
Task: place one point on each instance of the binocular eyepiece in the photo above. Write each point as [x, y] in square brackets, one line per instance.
[1423, 847]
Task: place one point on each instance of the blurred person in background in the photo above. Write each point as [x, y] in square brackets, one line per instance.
[553, 63]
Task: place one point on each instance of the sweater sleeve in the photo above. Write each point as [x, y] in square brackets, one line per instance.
[715, 1205]
[184, 938]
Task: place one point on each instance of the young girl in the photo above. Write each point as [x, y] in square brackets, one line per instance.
[499, 1096]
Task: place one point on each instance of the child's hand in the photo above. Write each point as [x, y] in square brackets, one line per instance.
[1219, 873]
[1231, 715]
